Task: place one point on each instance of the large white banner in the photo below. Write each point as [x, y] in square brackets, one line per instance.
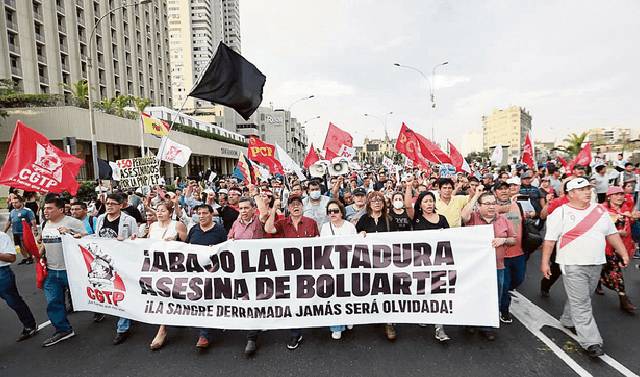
[438, 276]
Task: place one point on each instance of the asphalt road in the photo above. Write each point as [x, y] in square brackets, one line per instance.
[363, 351]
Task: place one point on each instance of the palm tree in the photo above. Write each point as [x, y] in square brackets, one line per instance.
[140, 103]
[108, 105]
[79, 92]
[574, 143]
[120, 102]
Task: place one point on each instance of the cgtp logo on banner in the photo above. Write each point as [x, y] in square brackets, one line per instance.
[33, 163]
[106, 287]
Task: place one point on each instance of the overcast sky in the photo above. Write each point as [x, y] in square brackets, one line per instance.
[573, 65]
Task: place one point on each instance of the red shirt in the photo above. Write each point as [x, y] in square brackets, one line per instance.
[628, 204]
[626, 227]
[502, 228]
[307, 227]
[557, 202]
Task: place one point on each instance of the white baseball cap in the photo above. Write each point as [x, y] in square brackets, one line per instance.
[513, 181]
[577, 183]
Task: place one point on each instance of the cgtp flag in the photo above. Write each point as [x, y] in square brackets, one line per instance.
[457, 160]
[231, 80]
[311, 158]
[173, 152]
[33, 163]
[527, 152]
[334, 140]
[154, 126]
[264, 153]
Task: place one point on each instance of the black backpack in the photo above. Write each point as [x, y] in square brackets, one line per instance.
[531, 235]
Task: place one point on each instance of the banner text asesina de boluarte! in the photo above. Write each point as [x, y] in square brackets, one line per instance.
[438, 276]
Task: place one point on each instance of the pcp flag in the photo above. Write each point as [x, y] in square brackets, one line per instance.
[154, 126]
[173, 152]
[264, 153]
[334, 140]
[457, 160]
[231, 80]
[288, 164]
[33, 163]
[311, 158]
[527, 152]
[409, 145]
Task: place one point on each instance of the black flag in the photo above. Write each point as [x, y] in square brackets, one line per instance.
[104, 169]
[231, 80]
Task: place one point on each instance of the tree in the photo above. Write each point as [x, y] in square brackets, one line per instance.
[7, 88]
[141, 103]
[120, 102]
[79, 93]
[573, 143]
[107, 105]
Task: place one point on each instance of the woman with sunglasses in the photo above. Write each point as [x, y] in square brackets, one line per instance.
[424, 217]
[337, 226]
[375, 220]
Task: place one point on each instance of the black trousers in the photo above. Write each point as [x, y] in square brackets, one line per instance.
[545, 284]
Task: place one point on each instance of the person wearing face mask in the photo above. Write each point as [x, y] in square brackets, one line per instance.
[398, 213]
[315, 205]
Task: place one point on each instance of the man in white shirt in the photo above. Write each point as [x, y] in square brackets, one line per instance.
[581, 230]
[9, 291]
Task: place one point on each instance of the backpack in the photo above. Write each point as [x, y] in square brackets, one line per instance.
[531, 235]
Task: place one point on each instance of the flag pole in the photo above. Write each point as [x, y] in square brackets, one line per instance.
[141, 136]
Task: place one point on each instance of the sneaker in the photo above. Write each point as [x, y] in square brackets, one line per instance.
[294, 342]
[26, 334]
[571, 329]
[390, 332]
[203, 343]
[337, 335]
[349, 327]
[595, 351]
[58, 337]
[636, 255]
[98, 317]
[120, 338]
[23, 261]
[544, 293]
[506, 317]
[250, 348]
[440, 335]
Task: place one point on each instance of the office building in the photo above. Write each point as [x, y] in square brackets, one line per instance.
[507, 127]
[44, 47]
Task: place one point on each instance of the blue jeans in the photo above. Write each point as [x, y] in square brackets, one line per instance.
[9, 293]
[500, 279]
[123, 325]
[54, 287]
[514, 270]
[337, 328]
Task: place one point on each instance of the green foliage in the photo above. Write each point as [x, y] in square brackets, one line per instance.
[120, 102]
[574, 143]
[30, 100]
[107, 105]
[140, 103]
[79, 93]
[7, 87]
[206, 134]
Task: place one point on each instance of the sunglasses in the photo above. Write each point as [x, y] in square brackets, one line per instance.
[333, 211]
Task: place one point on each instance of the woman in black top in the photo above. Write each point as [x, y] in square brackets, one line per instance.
[425, 217]
[377, 220]
[398, 213]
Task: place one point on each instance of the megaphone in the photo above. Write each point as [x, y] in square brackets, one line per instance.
[317, 170]
[338, 168]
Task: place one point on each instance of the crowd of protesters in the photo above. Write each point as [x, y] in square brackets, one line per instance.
[548, 208]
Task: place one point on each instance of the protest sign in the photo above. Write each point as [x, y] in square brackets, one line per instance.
[444, 276]
[138, 172]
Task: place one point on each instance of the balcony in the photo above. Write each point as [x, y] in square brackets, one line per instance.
[40, 38]
[14, 48]
[80, 3]
[99, 47]
[42, 59]
[80, 20]
[44, 80]
[102, 81]
[60, 8]
[82, 38]
[64, 48]
[10, 3]
[38, 16]
[65, 67]
[12, 26]
[115, 54]
[101, 64]
[16, 71]
[62, 28]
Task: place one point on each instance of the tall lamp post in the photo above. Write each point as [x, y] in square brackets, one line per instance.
[92, 122]
[383, 122]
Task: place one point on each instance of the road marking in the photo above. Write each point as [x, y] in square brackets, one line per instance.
[534, 318]
[43, 325]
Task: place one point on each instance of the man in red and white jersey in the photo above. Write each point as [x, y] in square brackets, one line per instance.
[581, 230]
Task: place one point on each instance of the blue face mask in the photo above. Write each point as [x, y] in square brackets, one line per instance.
[315, 195]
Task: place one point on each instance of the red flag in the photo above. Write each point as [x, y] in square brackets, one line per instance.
[457, 160]
[408, 144]
[334, 140]
[563, 162]
[527, 152]
[29, 243]
[33, 163]
[264, 153]
[312, 158]
[432, 151]
[583, 158]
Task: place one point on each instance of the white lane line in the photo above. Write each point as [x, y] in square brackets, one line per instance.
[43, 325]
[534, 318]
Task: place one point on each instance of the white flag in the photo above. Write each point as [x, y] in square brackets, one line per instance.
[174, 152]
[115, 171]
[496, 156]
[288, 164]
[347, 152]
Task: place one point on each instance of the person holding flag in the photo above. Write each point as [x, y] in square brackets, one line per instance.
[17, 214]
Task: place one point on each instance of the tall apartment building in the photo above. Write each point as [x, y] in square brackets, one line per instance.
[195, 29]
[45, 44]
[600, 136]
[507, 127]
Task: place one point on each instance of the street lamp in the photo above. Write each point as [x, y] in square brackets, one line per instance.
[309, 120]
[433, 82]
[92, 122]
[299, 100]
[383, 122]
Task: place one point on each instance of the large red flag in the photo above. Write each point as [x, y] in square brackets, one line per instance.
[563, 162]
[334, 140]
[33, 163]
[583, 158]
[265, 154]
[432, 151]
[29, 243]
[457, 160]
[527, 152]
[408, 144]
[312, 158]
